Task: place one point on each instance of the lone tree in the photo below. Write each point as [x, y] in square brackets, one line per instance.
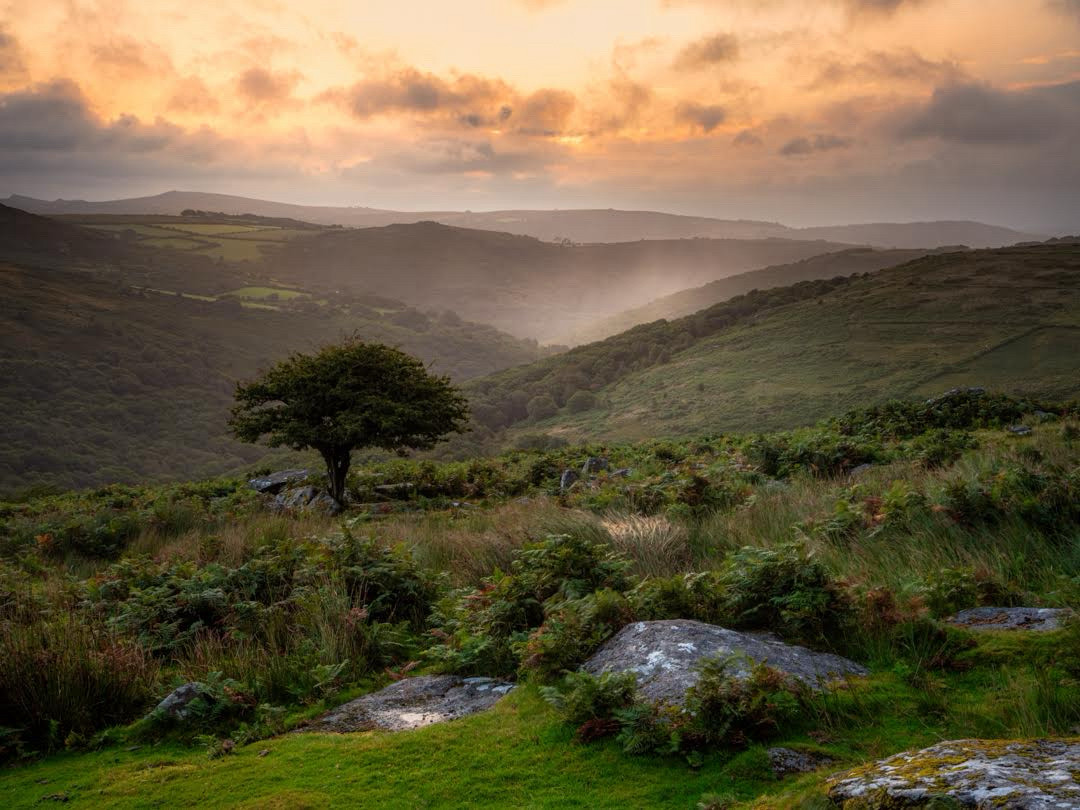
[344, 397]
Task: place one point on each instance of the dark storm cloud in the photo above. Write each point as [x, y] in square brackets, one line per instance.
[973, 113]
[818, 143]
[706, 116]
[708, 51]
[49, 129]
[904, 65]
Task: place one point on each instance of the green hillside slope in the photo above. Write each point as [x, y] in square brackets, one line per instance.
[109, 383]
[686, 302]
[1006, 318]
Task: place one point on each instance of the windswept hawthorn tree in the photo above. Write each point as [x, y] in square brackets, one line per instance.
[345, 397]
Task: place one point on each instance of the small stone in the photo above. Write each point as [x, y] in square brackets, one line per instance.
[175, 704]
[1019, 430]
[1011, 618]
[567, 480]
[855, 472]
[264, 752]
[786, 761]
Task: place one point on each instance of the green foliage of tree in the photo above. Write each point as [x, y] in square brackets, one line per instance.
[348, 396]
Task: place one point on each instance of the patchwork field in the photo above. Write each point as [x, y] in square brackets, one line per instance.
[230, 239]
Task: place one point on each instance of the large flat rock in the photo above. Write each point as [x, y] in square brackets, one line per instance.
[665, 656]
[1014, 774]
[413, 703]
[1011, 618]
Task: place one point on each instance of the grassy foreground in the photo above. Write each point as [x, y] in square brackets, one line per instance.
[858, 537]
[521, 755]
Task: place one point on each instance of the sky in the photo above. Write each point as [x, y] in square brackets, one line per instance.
[801, 111]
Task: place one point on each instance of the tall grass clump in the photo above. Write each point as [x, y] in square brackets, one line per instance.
[64, 678]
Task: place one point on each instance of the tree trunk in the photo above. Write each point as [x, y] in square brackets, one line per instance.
[337, 461]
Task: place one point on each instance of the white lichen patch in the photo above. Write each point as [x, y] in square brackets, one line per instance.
[1015, 774]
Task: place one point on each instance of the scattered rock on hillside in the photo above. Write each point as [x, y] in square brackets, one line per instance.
[175, 704]
[664, 655]
[855, 472]
[622, 472]
[1016, 774]
[1019, 430]
[413, 703]
[786, 761]
[955, 393]
[275, 482]
[306, 499]
[593, 465]
[1010, 618]
[567, 480]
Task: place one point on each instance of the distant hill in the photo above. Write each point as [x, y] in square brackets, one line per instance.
[520, 284]
[1007, 319]
[578, 225]
[119, 360]
[685, 302]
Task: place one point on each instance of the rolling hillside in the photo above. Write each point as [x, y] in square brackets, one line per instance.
[519, 284]
[1007, 319]
[578, 225]
[686, 302]
[121, 359]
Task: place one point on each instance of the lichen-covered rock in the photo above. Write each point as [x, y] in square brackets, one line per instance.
[306, 499]
[1011, 618]
[175, 704]
[664, 655]
[983, 774]
[413, 703]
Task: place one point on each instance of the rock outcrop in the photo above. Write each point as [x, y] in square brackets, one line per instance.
[306, 499]
[1014, 774]
[665, 656]
[413, 703]
[1010, 618]
[275, 482]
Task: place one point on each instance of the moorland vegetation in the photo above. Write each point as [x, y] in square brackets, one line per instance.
[858, 536]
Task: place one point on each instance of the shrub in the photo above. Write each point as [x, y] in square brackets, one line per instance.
[785, 590]
[584, 698]
[485, 631]
[572, 631]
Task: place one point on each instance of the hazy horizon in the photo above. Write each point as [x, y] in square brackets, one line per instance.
[802, 113]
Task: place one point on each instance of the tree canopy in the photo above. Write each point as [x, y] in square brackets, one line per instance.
[347, 396]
